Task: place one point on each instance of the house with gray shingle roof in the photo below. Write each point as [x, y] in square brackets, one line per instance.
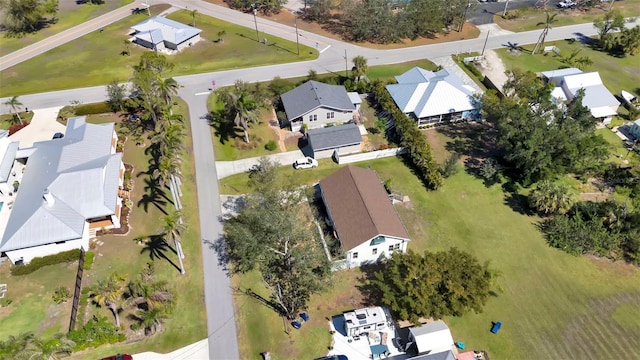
[160, 33]
[362, 215]
[432, 97]
[317, 104]
[69, 189]
[343, 139]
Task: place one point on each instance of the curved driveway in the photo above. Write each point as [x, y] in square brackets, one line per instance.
[218, 298]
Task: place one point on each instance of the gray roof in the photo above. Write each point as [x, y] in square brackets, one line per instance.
[81, 174]
[334, 137]
[312, 95]
[162, 29]
[429, 328]
[560, 72]
[7, 160]
[444, 355]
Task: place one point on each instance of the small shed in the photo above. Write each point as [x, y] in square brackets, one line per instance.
[434, 337]
[355, 98]
[345, 139]
[364, 320]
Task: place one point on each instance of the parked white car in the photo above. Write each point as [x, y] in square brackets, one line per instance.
[305, 163]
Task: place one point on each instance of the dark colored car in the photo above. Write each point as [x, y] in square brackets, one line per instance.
[334, 357]
[58, 135]
[119, 357]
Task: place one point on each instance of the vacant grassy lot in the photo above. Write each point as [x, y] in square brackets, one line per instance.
[553, 303]
[616, 73]
[529, 17]
[96, 59]
[69, 15]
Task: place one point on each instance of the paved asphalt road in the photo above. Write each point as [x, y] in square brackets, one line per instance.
[218, 298]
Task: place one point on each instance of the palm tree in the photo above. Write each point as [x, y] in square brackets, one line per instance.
[630, 40]
[53, 349]
[551, 198]
[240, 104]
[108, 293]
[148, 295]
[360, 67]
[127, 47]
[550, 19]
[167, 89]
[173, 227]
[166, 166]
[194, 12]
[15, 105]
[150, 319]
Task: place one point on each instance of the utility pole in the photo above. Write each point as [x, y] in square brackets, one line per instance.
[464, 17]
[346, 65]
[255, 20]
[297, 36]
[506, 4]
[485, 43]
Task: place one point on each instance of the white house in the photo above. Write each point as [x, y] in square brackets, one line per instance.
[364, 320]
[597, 97]
[430, 338]
[360, 211]
[432, 97]
[316, 104]
[8, 151]
[69, 189]
[159, 33]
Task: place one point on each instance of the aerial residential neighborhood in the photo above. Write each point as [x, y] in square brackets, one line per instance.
[219, 179]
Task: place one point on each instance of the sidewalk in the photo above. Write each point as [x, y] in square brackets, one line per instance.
[196, 351]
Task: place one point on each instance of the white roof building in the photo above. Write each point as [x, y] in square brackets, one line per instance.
[432, 97]
[160, 33]
[68, 190]
[434, 337]
[364, 320]
[597, 97]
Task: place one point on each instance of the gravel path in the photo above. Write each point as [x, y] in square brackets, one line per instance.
[493, 68]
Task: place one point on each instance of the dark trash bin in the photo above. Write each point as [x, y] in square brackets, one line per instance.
[304, 316]
[296, 325]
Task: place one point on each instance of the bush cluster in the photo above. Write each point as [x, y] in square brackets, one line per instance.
[90, 109]
[37, 263]
[271, 145]
[60, 295]
[5, 302]
[89, 256]
[96, 332]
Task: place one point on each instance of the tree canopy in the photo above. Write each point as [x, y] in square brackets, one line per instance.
[270, 234]
[438, 284]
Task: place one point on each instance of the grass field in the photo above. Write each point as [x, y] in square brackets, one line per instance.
[610, 67]
[69, 15]
[95, 59]
[553, 303]
[529, 17]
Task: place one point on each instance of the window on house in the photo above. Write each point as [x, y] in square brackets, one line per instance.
[310, 117]
[374, 251]
[315, 117]
[332, 114]
[390, 247]
[394, 247]
[355, 255]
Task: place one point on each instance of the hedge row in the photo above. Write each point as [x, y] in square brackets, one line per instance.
[411, 138]
[90, 109]
[37, 263]
[88, 260]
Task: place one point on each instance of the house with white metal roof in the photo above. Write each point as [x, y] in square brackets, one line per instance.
[160, 33]
[432, 97]
[597, 97]
[68, 191]
[8, 151]
[317, 104]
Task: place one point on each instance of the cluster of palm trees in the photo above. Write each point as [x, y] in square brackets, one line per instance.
[27, 346]
[241, 106]
[147, 301]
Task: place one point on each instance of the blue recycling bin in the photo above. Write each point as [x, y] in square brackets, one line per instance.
[296, 325]
[496, 327]
[460, 345]
[304, 316]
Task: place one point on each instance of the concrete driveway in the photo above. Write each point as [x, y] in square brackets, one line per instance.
[42, 127]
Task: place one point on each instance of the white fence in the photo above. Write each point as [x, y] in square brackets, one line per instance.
[378, 154]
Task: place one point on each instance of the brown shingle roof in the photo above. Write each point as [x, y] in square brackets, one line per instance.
[359, 207]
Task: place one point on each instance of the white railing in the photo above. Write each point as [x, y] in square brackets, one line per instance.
[370, 155]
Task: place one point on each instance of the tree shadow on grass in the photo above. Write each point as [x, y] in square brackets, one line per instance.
[516, 201]
[153, 195]
[157, 247]
[371, 294]
[269, 303]
[222, 129]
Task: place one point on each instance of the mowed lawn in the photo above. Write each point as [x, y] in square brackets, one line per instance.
[554, 305]
[529, 17]
[616, 73]
[96, 59]
[69, 15]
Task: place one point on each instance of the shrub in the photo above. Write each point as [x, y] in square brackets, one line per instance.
[37, 263]
[271, 145]
[96, 332]
[4, 302]
[450, 166]
[89, 256]
[95, 108]
[14, 128]
[60, 295]
[474, 70]
[84, 296]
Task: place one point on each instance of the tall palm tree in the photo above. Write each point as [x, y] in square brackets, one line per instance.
[173, 227]
[167, 89]
[15, 105]
[360, 67]
[150, 319]
[108, 293]
[241, 105]
[148, 295]
[194, 12]
[549, 20]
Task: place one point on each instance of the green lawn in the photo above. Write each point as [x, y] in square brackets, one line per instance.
[385, 72]
[529, 17]
[82, 63]
[616, 73]
[617, 149]
[68, 16]
[5, 119]
[553, 303]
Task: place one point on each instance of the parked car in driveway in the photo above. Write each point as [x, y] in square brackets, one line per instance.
[305, 163]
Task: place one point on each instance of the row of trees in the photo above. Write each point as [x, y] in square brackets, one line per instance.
[25, 16]
[614, 37]
[540, 140]
[434, 285]
[272, 234]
